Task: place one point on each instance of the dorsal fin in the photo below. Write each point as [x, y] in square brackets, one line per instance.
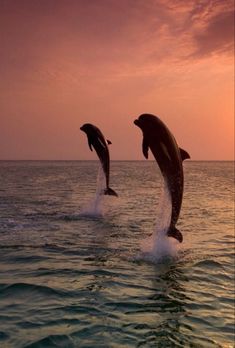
[145, 147]
[184, 154]
[109, 142]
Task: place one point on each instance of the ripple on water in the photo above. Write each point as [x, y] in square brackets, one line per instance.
[70, 279]
[3, 336]
[53, 341]
[26, 289]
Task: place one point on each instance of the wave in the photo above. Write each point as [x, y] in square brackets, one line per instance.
[27, 288]
[21, 246]
[52, 341]
[208, 263]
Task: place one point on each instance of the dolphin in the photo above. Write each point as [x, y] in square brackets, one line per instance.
[97, 141]
[169, 157]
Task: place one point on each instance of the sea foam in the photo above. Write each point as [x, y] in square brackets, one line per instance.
[159, 247]
[95, 207]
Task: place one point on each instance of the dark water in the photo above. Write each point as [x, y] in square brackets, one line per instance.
[75, 279]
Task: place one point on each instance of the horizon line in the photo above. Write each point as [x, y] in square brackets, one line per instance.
[113, 160]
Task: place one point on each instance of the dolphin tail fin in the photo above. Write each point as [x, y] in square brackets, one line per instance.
[174, 233]
[110, 192]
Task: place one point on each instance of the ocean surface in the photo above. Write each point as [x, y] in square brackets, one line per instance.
[81, 270]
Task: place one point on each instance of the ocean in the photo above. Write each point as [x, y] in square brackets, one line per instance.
[82, 270]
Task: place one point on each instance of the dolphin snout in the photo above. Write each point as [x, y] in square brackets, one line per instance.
[136, 122]
[81, 128]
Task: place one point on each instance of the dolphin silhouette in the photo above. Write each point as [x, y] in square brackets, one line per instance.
[169, 157]
[98, 142]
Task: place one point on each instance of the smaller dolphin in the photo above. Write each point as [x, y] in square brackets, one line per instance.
[169, 157]
[97, 141]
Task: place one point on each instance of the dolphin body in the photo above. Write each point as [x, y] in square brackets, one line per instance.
[169, 157]
[97, 141]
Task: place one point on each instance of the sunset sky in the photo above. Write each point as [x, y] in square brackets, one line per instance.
[67, 62]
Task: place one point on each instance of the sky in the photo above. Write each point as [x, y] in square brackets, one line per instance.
[64, 63]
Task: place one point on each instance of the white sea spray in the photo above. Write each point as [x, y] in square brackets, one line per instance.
[159, 246]
[95, 207]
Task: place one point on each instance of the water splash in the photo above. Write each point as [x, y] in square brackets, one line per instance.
[159, 247]
[95, 207]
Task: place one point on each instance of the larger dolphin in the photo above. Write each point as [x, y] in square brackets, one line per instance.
[98, 142]
[169, 157]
